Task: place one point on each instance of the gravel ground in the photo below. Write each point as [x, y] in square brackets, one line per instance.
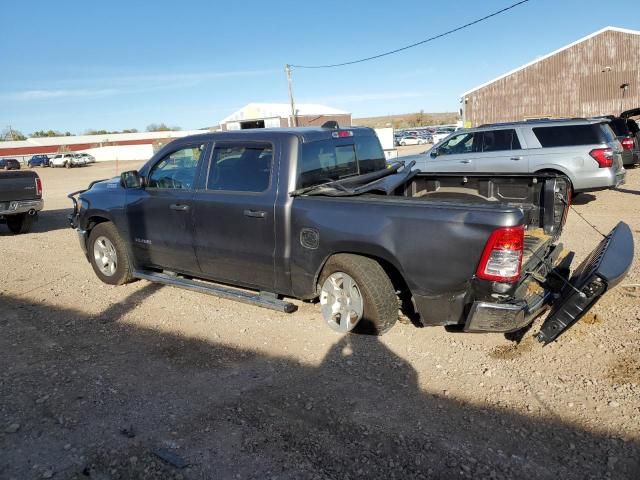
[145, 381]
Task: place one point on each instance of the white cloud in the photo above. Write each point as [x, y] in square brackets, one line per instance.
[128, 84]
[46, 94]
[365, 97]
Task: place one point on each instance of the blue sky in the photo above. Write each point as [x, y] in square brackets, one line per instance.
[78, 65]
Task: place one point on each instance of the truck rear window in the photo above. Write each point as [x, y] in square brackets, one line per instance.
[337, 158]
[570, 135]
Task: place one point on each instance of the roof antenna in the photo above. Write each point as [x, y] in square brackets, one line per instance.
[331, 124]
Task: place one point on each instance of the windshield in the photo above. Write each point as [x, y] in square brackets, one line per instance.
[327, 160]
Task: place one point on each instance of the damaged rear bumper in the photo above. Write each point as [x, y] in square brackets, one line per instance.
[602, 270]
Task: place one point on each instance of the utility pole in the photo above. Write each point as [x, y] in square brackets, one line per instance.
[294, 120]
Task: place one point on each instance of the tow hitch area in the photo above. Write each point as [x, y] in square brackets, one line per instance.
[602, 270]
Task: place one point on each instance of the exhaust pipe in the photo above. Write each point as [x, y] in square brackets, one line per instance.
[32, 213]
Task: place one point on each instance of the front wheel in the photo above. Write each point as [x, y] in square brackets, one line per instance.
[109, 256]
[357, 295]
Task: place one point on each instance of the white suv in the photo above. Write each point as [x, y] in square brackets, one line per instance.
[63, 160]
[584, 150]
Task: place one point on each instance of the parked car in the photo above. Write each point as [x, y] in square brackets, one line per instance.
[78, 160]
[411, 140]
[316, 213]
[9, 164]
[634, 129]
[38, 161]
[584, 150]
[426, 136]
[20, 200]
[440, 134]
[63, 160]
[627, 139]
[88, 158]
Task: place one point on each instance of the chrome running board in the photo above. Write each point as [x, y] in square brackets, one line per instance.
[262, 299]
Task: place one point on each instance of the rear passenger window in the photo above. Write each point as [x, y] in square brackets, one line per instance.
[240, 167]
[569, 135]
[497, 140]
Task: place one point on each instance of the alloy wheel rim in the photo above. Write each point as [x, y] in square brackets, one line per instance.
[341, 302]
[106, 258]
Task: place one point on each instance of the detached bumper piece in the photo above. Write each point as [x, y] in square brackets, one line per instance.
[602, 270]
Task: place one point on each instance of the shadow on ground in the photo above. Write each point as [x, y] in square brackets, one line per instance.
[583, 199]
[48, 221]
[95, 397]
[626, 190]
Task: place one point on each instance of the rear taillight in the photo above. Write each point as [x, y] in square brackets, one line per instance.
[627, 143]
[38, 187]
[604, 157]
[501, 259]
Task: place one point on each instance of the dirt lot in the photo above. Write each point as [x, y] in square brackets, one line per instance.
[144, 381]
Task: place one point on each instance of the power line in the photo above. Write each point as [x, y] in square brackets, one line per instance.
[466, 25]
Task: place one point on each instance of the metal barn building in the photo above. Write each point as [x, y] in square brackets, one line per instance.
[270, 115]
[596, 75]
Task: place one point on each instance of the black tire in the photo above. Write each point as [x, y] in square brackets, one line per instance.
[67, 165]
[124, 267]
[379, 297]
[571, 190]
[20, 223]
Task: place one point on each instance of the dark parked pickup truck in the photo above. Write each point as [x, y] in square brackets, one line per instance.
[20, 199]
[314, 213]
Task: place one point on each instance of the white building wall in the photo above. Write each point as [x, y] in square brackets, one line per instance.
[121, 152]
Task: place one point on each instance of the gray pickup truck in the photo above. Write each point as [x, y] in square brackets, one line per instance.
[316, 214]
[20, 199]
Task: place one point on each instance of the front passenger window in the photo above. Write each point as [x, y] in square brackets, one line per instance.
[457, 144]
[177, 170]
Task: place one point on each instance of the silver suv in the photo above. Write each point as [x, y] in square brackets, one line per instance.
[584, 150]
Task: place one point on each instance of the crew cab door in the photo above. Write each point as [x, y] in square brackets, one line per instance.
[160, 214]
[233, 214]
[457, 154]
[501, 151]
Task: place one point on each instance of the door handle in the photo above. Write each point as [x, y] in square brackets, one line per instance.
[465, 161]
[516, 158]
[255, 213]
[179, 207]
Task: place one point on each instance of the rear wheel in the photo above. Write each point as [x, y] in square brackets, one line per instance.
[572, 192]
[357, 295]
[109, 256]
[67, 165]
[20, 223]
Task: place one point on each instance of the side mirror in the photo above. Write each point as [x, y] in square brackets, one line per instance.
[131, 179]
[434, 153]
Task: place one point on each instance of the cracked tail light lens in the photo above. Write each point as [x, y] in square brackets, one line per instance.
[604, 157]
[501, 259]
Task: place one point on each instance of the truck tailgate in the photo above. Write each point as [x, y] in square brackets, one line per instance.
[602, 270]
[17, 185]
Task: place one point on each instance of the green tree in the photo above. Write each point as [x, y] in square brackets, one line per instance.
[161, 127]
[9, 134]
